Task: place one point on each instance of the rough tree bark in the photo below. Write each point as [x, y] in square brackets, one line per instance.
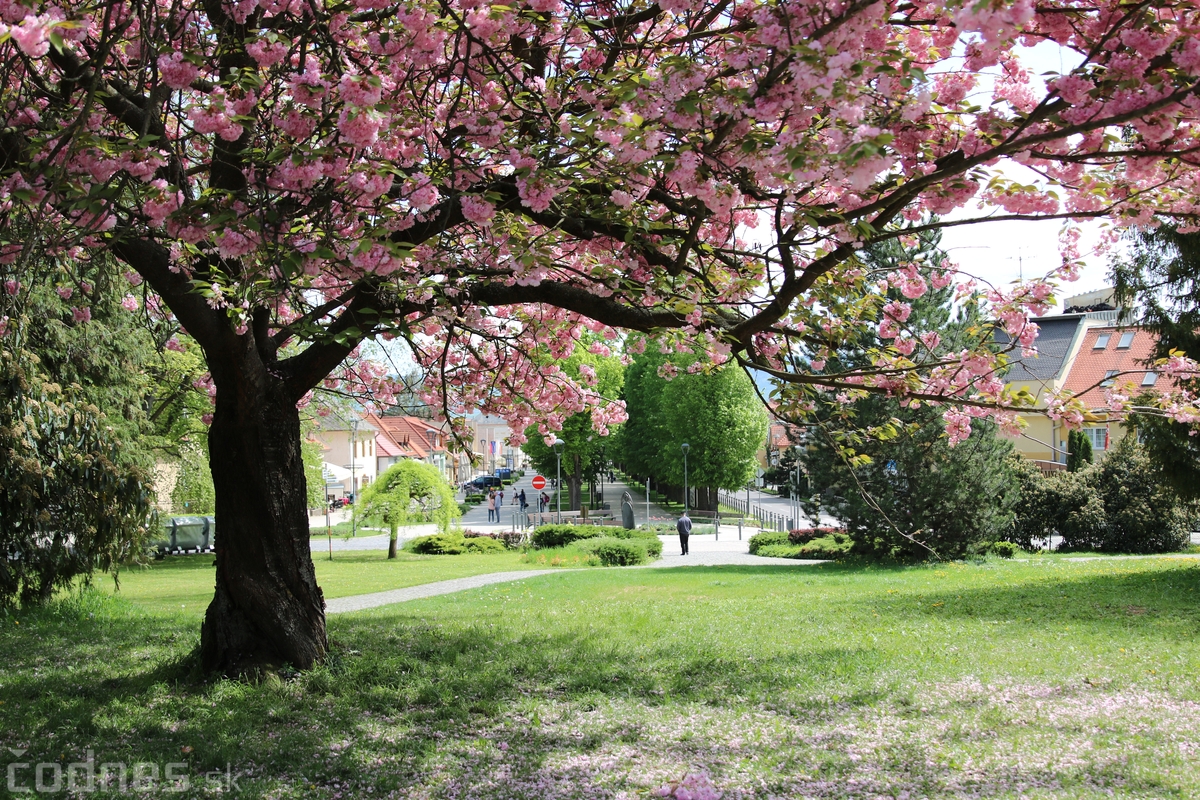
[268, 609]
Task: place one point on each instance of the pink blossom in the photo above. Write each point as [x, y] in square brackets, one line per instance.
[65, 292]
[81, 314]
[129, 303]
[33, 35]
[476, 209]
[176, 71]
[958, 425]
[12, 286]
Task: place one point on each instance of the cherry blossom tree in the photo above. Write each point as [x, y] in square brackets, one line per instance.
[288, 178]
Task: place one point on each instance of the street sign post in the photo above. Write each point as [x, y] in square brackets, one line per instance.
[539, 482]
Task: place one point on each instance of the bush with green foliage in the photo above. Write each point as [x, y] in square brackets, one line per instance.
[1118, 506]
[614, 552]
[767, 539]
[510, 539]
[1143, 514]
[1061, 503]
[453, 544]
[1003, 549]
[833, 547]
[550, 536]
[70, 502]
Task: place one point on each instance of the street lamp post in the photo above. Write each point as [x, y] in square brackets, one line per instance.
[353, 480]
[559, 444]
[685, 447]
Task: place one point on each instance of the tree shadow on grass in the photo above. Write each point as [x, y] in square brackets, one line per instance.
[1117, 595]
[407, 697]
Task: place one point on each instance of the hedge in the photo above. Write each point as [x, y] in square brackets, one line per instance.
[825, 543]
[614, 552]
[547, 536]
[453, 544]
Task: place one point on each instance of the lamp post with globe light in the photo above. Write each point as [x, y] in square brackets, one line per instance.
[559, 444]
[685, 446]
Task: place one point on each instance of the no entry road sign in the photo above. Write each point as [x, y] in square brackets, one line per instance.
[539, 482]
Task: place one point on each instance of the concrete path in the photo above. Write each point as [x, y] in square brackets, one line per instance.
[704, 551]
[359, 602]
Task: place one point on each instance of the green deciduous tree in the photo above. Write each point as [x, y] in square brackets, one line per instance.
[408, 492]
[716, 411]
[584, 452]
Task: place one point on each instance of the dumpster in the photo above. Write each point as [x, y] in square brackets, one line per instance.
[185, 534]
[190, 533]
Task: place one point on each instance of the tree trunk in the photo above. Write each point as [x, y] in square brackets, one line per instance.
[267, 610]
[392, 542]
[574, 486]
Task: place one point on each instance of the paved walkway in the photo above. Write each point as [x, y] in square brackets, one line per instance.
[705, 551]
[359, 602]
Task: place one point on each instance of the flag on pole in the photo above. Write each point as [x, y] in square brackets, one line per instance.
[493, 448]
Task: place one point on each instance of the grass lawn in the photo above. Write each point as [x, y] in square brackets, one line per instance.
[1047, 679]
[184, 584]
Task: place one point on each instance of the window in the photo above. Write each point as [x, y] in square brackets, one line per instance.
[1150, 379]
[1099, 437]
[1125, 341]
[1102, 341]
[1109, 376]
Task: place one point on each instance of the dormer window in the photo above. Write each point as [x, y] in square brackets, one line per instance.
[1109, 376]
[1102, 341]
[1125, 341]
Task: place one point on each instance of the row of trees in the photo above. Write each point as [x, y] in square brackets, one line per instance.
[716, 411]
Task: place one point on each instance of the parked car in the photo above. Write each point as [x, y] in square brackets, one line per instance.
[482, 484]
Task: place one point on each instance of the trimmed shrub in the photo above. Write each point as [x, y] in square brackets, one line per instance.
[614, 552]
[1003, 549]
[551, 536]
[805, 535]
[1121, 505]
[546, 536]
[484, 544]
[833, 547]
[510, 539]
[453, 544]
[767, 539]
[1063, 503]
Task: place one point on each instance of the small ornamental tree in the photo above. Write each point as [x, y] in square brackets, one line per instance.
[408, 492]
[1079, 451]
[287, 179]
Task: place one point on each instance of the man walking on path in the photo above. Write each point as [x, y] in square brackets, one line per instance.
[684, 526]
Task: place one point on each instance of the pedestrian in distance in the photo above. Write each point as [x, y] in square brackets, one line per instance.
[491, 506]
[499, 505]
[545, 502]
[684, 526]
[521, 497]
